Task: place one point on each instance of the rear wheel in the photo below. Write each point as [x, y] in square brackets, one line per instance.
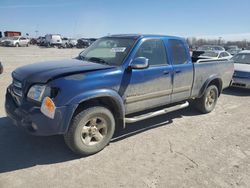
[208, 101]
[90, 131]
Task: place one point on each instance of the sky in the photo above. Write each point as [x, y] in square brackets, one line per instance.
[95, 18]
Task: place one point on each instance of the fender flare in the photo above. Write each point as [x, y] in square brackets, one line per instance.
[208, 81]
[99, 93]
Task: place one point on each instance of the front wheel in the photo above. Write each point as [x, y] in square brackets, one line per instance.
[90, 131]
[208, 101]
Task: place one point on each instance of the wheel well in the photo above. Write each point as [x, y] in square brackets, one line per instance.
[218, 83]
[107, 102]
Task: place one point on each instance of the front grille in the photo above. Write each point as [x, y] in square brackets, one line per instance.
[17, 87]
[239, 85]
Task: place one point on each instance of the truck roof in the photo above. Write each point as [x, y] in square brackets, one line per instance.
[136, 36]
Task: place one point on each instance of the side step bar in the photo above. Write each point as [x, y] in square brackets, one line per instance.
[156, 113]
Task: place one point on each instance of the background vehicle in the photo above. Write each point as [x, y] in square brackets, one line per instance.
[72, 43]
[2, 40]
[233, 50]
[205, 48]
[112, 83]
[33, 41]
[17, 41]
[41, 41]
[83, 43]
[215, 55]
[65, 43]
[53, 40]
[241, 77]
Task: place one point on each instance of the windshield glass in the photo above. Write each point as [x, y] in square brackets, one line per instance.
[242, 58]
[210, 54]
[15, 38]
[111, 51]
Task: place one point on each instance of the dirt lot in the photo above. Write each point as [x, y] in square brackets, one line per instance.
[182, 149]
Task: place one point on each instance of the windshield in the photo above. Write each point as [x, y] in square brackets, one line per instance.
[210, 54]
[242, 58]
[111, 51]
[15, 38]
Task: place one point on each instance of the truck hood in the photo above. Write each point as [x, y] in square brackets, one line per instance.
[242, 67]
[45, 71]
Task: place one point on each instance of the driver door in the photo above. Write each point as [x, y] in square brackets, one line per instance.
[150, 87]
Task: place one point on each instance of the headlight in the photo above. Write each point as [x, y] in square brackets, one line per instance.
[36, 92]
[39, 92]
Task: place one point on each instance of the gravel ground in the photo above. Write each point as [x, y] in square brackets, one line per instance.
[181, 149]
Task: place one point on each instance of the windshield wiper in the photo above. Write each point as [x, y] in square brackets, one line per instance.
[98, 60]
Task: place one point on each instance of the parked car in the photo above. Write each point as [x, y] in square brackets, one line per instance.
[241, 77]
[116, 77]
[72, 43]
[17, 41]
[53, 40]
[2, 40]
[215, 55]
[233, 47]
[65, 43]
[202, 49]
[41, 41]
[83, 43]
[233, 52]
[1, 68]
[33, 41]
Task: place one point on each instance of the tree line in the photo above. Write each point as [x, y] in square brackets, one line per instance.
[196, 42]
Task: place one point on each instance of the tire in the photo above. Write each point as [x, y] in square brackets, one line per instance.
[17, 45]
[90, 130]
[208, 101]
[27, 45]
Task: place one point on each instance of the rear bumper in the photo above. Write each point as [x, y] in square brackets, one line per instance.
[32, 120]
[241, 82]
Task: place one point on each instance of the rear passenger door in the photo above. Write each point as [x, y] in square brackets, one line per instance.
[182, 70]
[150, 87]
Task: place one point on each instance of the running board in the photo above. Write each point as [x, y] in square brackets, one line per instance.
[156, 113]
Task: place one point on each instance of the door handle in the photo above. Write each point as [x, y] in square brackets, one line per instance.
[166, 72]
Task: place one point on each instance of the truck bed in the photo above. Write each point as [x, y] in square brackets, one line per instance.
[204, 69]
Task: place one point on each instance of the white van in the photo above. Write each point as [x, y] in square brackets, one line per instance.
[53, 39]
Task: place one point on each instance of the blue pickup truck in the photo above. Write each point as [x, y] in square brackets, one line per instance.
[119, 79]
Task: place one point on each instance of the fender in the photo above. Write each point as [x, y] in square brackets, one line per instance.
[112, 94]
[208, 81]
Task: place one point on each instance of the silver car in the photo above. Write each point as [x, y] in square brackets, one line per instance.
[17, 41]
[241, 77]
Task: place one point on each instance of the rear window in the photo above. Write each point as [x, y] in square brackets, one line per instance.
[178, 52]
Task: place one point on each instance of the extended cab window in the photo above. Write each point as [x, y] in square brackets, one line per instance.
[154, 51]
[178, 52]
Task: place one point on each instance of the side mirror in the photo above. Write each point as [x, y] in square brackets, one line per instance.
[139, 63]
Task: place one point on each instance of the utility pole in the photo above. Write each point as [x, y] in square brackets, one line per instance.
[36, 31]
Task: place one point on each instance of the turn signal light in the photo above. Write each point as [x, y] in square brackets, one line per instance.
[48, 107]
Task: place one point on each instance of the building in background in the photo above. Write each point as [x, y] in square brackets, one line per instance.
[12, 33]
